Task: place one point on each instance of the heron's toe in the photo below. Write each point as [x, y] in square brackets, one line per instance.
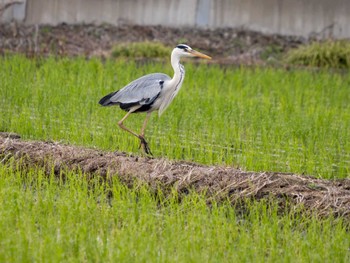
[144, 145]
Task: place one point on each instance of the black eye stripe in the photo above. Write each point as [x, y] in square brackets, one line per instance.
[182, 46]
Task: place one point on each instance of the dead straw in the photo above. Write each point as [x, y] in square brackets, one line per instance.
[323, 197]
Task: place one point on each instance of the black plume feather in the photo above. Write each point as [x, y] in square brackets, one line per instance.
[106, 100]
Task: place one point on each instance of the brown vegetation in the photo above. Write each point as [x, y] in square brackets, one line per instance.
[324, 197]
[226, 45]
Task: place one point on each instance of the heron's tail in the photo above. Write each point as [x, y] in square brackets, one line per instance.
[106, 100]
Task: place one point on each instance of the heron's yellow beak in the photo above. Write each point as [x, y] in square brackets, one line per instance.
[198, 54]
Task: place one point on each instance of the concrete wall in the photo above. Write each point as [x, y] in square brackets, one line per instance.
[15, 11]
[288, 17]
[143, 12]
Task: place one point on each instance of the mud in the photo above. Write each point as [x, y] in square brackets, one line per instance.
[226, 45]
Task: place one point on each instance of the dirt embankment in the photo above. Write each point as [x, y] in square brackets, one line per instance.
[324, 197]
[226, 45]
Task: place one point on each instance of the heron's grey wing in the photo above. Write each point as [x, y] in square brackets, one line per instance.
[142, 91]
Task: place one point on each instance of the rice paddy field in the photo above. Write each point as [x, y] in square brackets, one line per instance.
[258, 119]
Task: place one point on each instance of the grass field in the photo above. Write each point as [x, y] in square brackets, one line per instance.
[44, 219]
[255, 118]
[258, 119]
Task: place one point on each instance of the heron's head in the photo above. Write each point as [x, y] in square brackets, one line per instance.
[183, 50]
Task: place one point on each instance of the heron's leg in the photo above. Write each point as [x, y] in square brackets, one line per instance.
[120, 123]
[145, 124]
[144, 144]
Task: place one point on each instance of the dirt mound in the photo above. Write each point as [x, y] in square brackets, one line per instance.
[227, 44]
[219, 183]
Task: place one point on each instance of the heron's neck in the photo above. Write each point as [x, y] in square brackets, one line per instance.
[174, 85]
[179, 70]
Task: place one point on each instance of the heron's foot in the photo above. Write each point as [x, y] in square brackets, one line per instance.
[144, 145]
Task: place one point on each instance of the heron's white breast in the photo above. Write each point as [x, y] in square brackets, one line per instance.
[169, 91]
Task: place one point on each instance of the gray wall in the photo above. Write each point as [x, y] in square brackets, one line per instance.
[288, 17]
[16, 11]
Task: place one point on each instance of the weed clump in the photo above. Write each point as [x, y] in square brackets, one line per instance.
[141, 50]
[327, 54]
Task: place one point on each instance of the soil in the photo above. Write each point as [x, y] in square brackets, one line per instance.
[226, 45]
[217, 183]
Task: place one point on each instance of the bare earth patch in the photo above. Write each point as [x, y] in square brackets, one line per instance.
[225, 45]
[323, 197]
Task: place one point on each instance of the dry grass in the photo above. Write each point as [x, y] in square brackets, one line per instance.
[325, 197]
[226, 45]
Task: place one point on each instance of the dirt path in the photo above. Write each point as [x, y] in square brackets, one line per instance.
[219, 183]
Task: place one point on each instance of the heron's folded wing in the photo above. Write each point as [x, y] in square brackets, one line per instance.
[142, 91]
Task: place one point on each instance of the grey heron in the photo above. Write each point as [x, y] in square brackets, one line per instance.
[152, 92]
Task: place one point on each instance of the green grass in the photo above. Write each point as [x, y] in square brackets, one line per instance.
[327, 54]
[255, 118]
[141, 50]
[258, 119]
[44, 219]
